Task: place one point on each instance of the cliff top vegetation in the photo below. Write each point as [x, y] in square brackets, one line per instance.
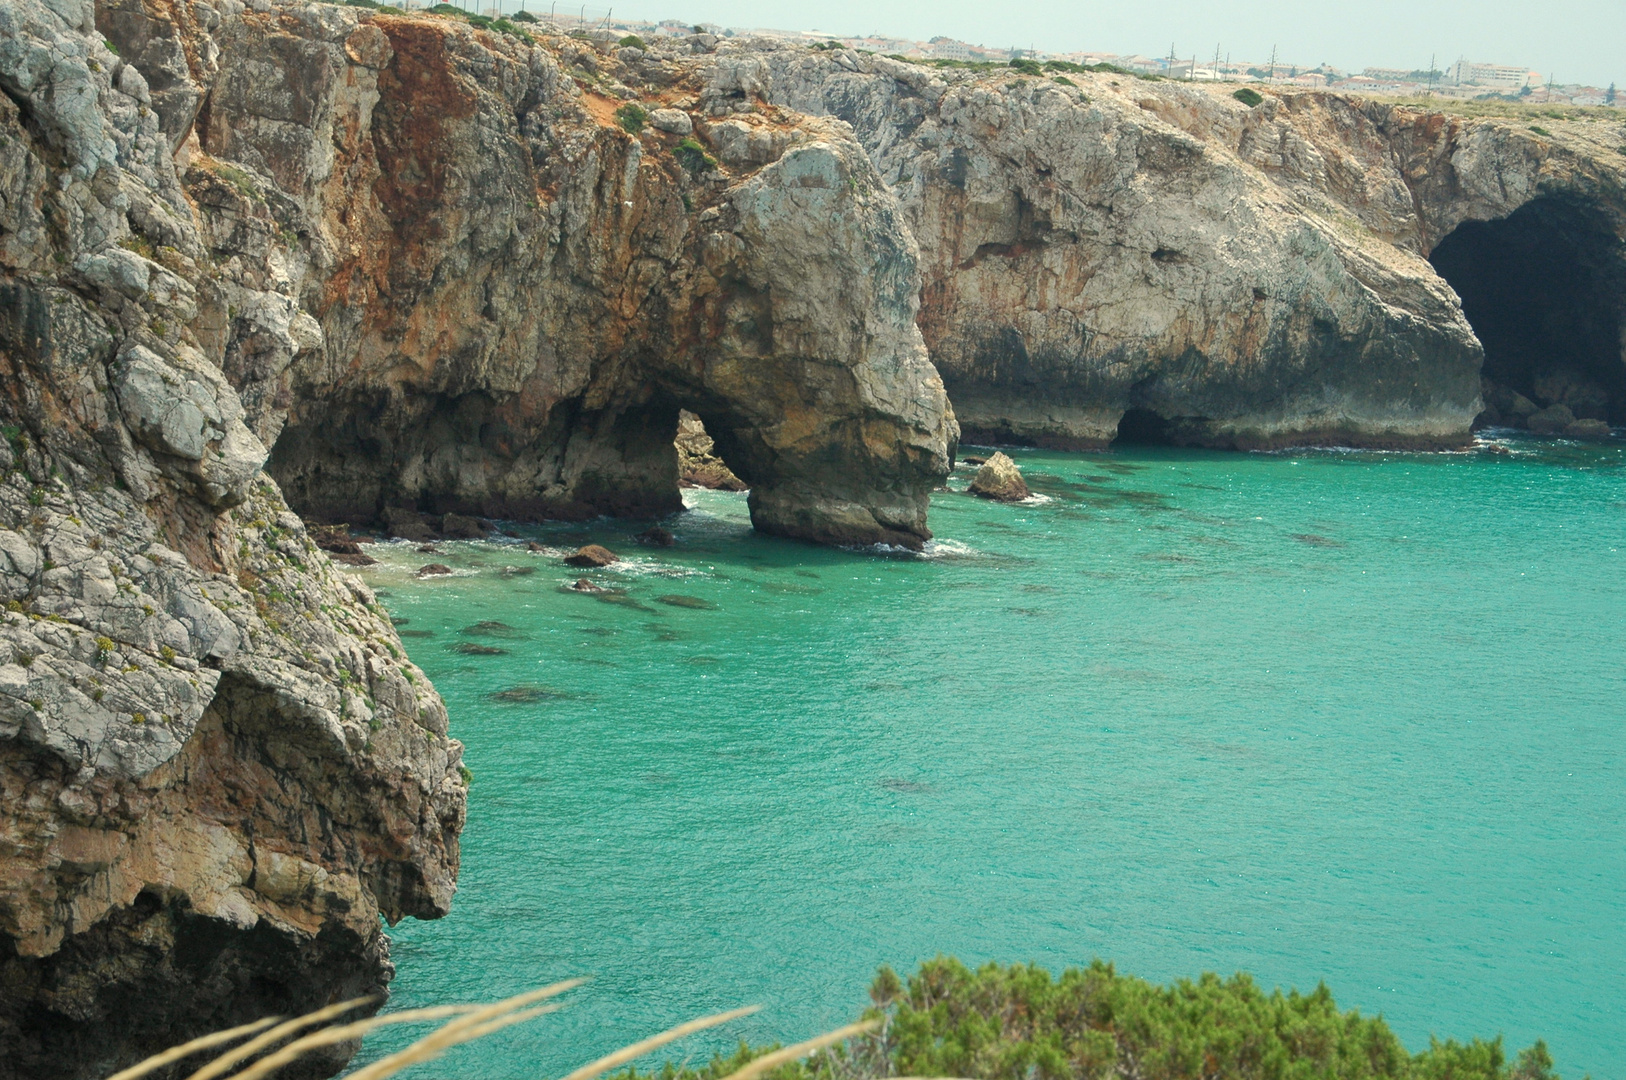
[1020, 1023]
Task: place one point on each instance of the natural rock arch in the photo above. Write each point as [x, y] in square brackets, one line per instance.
[513, 335]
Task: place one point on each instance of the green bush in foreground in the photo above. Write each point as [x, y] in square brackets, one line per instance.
[1019, 1023]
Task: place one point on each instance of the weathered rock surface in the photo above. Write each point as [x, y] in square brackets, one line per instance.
[591, 555]
[999, 479]
[491, 299]
[217, 768]
[1230, 276]
[698, 463]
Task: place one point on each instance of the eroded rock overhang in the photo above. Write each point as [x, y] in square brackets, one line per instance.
[1241, 276]
[504, 281]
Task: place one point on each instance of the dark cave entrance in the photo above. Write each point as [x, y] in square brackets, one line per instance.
[1543, 289]
[1143, 427]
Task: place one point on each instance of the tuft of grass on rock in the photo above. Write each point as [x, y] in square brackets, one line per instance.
[632, 117]
[1248, 96]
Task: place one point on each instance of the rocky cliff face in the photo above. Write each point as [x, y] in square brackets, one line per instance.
[1227, 275]
[498, 283]
[217, 768]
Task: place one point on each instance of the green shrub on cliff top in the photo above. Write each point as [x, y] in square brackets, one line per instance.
[1248, 97]
[1020, 1023]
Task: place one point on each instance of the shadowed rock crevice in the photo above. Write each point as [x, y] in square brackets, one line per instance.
[1544, 289]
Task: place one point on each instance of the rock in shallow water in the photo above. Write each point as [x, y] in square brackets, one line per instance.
[1587, 430]
[999, 479]
[1550, 421]
[592, 555]
[657, 537]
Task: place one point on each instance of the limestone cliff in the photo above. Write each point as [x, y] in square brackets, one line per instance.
[218, 768]
[498, 278]
[1228, 275]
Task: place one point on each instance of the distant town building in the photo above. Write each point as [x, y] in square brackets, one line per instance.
[1507, 76]
[943, 48]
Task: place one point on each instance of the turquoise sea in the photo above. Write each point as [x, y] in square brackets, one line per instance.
[1332, 716]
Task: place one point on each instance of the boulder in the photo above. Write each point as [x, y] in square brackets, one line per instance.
[434, 570]
[458, 527]
[972, 459]
[408, 524]
[655, 536]
[1588, 430]
[1550, 421]
[352, 558]
[1000, 479]
[671, 121]
[336, 542]
[591, 555]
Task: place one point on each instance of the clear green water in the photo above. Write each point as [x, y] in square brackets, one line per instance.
[1350, 717]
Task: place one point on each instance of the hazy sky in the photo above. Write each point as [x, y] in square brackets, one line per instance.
[1576, 40]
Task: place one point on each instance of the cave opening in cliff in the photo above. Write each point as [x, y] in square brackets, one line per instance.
[1542, 288]
[1143, 427]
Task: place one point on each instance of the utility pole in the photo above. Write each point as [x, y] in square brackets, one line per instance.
[1191, 72]
[1273, 63]
[1172, 61]
[1431, 72]
[1216, 62]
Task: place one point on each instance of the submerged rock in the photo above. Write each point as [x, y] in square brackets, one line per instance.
[491, 628]
[591, 555]
[583, 585]
[527, 695]
[1000, 479]
[434, 570]
[694, 602]
[472, 648]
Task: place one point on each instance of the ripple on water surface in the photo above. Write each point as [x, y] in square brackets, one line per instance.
[1320, 715]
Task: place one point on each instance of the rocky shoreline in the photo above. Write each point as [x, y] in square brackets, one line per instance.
[270, 260]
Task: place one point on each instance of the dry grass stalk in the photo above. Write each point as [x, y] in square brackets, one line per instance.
[299, 1023]
[464, 1023]
[343, 1033]
[186, 1049]
[655, 1042]
[802, 1049]
[458, 1031]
